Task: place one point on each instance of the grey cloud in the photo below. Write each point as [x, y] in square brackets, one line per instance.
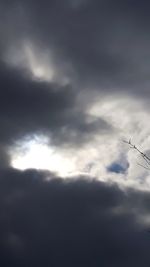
[78, 222]
[106, 43]
[70, 222]
[107, 46]
[29, 106]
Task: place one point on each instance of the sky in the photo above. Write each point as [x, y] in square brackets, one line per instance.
[74, 83]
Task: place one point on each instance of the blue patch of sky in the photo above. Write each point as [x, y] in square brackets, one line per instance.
[117, 168]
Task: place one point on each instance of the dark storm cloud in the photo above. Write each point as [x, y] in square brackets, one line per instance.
[69, 223]
[28, 106]
[106, 42]
[107, 45]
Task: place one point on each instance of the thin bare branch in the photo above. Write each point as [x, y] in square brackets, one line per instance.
[144, 156]
[147, 168]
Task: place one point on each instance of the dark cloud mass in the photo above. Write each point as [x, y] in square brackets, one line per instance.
[70, 222]
[60, 59]
[29, 106]
[106, 44]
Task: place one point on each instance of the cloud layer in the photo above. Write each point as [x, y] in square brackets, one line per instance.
[71, 70]
[74, 82]
[49, 221]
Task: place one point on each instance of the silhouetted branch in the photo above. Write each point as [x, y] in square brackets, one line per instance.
[144, 156]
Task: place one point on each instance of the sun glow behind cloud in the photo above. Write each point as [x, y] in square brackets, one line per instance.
[101, 152]
[37, 153]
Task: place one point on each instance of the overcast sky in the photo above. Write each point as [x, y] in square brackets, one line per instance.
[74, 83]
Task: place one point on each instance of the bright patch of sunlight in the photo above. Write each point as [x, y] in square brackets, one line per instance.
[37, 153]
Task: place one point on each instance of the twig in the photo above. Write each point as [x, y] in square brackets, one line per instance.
[144, 156]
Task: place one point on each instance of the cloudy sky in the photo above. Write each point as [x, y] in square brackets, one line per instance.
[74, 83]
